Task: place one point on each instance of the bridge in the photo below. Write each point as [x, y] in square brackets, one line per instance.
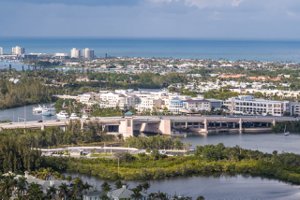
[166, 125]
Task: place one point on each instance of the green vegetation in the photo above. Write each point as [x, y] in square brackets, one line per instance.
[16, 154]
[135, 81]
[292, 126]
[207, 160]
[155, 142]
[10, 185]
[26, 91]
[69, 105]
[105, 112]
[220, 94]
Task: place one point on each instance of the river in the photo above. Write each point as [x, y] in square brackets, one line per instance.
[217, 188]
[22, 113]
[15, 64]
[266, 142]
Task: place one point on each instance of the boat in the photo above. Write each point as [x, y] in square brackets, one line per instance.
[74, 116]
[48, 111]
[37, 110]
[286, 133]
[62, 115]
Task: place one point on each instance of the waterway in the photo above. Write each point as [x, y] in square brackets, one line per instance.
[266, 142]
[6, 64]
[217, 188]
[23, 113]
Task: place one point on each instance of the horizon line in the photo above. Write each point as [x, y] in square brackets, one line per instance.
[152, 38]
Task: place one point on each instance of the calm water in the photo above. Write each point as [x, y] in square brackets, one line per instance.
[218, 188]
[178, 48]
[4, 64]
[21, 113]
[263, 142]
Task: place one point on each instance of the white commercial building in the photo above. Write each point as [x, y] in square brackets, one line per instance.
[75, 53]
[295, 108]
[252, 106]
[114, 100]
[88, 53]
[196, 105]
[17, 50]
[88, 98]
[148, 103]
[1, 51]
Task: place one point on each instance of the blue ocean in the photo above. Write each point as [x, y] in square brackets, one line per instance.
[165, 48]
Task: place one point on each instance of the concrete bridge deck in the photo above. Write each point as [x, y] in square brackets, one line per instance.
[128, 126]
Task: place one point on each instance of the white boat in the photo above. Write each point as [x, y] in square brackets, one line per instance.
[62, 115]
[48, 111]
[37, 110]
[74, 116]
[286, 133]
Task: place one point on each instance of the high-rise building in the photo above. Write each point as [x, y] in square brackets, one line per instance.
[18, 51]
[88, 53]
[1, 51]
[75, 53]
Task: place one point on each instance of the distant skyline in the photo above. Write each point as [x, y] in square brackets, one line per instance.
[203, 19]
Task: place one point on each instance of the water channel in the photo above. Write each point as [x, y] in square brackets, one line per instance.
[217, 188]
[23, 113]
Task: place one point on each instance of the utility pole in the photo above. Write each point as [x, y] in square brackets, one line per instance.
[118, 166]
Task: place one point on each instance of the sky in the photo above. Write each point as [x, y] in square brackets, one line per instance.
[212, 19]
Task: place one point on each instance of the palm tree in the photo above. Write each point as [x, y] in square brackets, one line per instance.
[105, 187]
[200, 198]
[158, 195]
[7, 186]
[77, 188]
[21, 186]
[146, 186]
[118, 184]
[35, 192]
[136, 193]
[63, 191]
[51, 192]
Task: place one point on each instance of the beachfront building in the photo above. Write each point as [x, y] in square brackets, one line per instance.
[250, 106]
[88, 53]
[18, 51]
[1, 51]
[75, 53]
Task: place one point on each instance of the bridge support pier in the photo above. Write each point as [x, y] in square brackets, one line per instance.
[240, 126]
[126, 127]
[165, 127]
[205, 132]
[273, 122]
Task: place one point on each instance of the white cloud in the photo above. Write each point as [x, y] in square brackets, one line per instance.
[203, 3]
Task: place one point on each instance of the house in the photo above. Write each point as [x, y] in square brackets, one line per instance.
[123, 193]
